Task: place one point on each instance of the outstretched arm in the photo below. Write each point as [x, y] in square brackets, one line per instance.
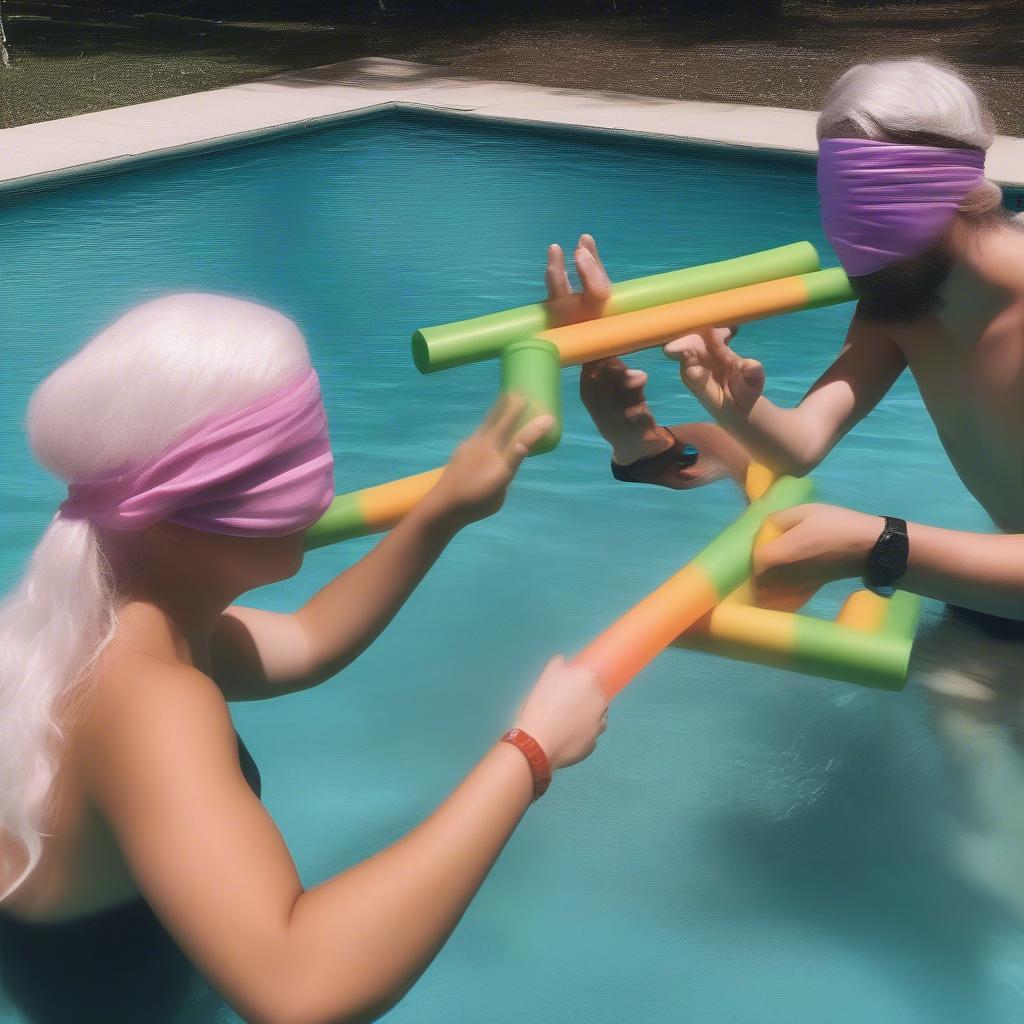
[795, 440]
[821, 543]
[258, 654]
[161, 765]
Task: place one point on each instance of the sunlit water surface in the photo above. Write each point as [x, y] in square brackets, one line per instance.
[747, 846]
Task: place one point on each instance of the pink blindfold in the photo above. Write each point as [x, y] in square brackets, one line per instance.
[262, 471]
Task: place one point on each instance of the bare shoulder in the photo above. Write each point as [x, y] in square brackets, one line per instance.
[138, 689]
[145, 715]
[1018, 253]
[865, 331]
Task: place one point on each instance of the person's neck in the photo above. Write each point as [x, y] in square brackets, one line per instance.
[985, 277]
[991, 254]
[170, 623]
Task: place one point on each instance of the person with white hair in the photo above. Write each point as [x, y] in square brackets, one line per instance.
[194, 441]
[938, 268]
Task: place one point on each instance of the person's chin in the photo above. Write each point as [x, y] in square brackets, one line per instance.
[280, 559]
[897, 308]
[292, 556]
[904, 291]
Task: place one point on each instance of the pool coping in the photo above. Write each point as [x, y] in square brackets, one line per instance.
[47, 153]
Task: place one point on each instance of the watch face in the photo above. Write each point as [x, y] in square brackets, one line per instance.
[891, 555]
[888, 560]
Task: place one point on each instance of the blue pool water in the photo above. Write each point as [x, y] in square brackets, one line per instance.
[746, 846]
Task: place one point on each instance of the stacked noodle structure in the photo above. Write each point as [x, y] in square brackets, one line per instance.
[707, 605]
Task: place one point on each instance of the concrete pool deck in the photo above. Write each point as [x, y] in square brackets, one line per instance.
[88, 143]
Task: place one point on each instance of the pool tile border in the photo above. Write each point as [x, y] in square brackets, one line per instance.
[46, 153]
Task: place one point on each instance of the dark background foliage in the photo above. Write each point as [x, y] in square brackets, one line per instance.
[92, 54]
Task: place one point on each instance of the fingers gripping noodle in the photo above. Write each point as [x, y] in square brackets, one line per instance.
[632, 642]
[707, 605]
[529, 368]
[640, 313]
[484, 337]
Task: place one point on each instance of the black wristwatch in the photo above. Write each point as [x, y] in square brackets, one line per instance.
[887, 561]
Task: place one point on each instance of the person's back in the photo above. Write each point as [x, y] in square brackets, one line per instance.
[82, 870]
[967, 358]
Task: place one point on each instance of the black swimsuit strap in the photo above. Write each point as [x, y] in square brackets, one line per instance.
[249, 767]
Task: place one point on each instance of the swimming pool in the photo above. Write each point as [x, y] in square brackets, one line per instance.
[747, 846]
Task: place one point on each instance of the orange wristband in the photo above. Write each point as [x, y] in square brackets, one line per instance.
[540, 767]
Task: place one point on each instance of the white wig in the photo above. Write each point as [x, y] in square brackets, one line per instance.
[901, 99]
[913, 101]
[122, 398]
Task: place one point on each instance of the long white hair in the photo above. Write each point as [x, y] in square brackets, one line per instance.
[120, 400]
[912, 101]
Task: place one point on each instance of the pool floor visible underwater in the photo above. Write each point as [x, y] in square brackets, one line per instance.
[747, 846]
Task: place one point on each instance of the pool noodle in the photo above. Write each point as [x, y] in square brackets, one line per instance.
[868, 644]
[372, 510]
[483, 337]
[645, 328]
[379, 508]
[871, 650]
[530, 368]
[632, 642]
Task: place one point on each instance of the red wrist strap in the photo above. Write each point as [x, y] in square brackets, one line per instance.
[540, 767]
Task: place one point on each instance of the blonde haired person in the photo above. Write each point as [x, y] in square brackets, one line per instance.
[194, 441]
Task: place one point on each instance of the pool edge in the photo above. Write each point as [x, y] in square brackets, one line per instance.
[112, 140]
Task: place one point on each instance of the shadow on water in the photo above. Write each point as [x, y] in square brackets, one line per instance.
[867, 861]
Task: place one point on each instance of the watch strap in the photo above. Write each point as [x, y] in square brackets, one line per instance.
[887, 560]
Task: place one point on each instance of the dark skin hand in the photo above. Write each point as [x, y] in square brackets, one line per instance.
[613, 394]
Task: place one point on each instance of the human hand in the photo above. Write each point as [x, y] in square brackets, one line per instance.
[612, 393]
[475, 481]
[720, 379]
[570, 307]
[814, 545]
[565, 713]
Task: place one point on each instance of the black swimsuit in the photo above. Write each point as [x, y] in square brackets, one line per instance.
[994, 626]
[118, 966]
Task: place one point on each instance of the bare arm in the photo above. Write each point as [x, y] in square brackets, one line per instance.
[258, 654]
[976, 570]
[789, 440]
[821, 543]
[162, 767]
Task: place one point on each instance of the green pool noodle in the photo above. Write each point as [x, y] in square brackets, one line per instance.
[879, 660]
[343, 520]
[827, 288]
[902, 615]
[483, 337]
[825, 649]
[726, 560]
[531, 368]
